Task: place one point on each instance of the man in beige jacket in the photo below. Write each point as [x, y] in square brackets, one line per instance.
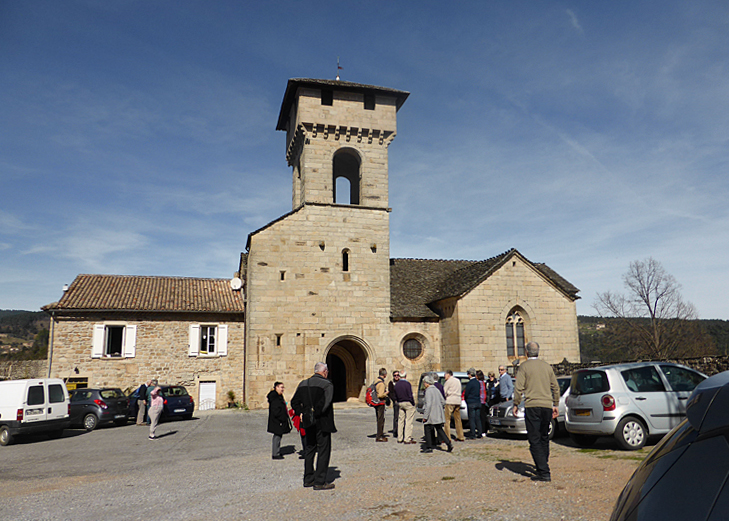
[452, 390]
[536, 380]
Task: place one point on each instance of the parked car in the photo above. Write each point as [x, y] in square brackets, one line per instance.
[33, 406]
[628, 401]
[502, 419]
[93, 407]
[686, 476]
[463, 377]
[177, 402]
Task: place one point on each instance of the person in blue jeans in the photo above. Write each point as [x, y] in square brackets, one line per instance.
[472, 396]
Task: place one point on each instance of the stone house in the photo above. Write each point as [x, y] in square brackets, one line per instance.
[114, 330]
[318, 283]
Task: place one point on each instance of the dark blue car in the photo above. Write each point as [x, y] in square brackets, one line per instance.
[176, 402]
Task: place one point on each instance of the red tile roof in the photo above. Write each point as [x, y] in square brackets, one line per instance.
[138, 293]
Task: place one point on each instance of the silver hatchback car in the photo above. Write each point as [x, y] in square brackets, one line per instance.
[628, 401]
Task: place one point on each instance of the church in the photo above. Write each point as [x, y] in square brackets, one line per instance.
[315, 284]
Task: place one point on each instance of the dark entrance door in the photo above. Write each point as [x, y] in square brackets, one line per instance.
[338, 376]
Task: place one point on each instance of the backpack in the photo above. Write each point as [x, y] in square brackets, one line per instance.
[371, 395]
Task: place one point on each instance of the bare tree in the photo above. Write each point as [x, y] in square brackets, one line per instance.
[653, 310]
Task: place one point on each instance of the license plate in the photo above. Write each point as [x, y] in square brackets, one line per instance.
[582, 412]
[119, 416]
[495, 422]
[180, 410]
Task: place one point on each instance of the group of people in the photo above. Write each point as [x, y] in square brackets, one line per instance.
[313, 414]
[149, 406]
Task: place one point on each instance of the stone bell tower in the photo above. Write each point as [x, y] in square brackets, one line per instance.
[318, 278]
[337, 135]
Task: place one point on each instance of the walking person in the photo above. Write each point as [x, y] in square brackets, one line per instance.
[403, 396]
[452, 392]
[156, 402]
[278, 418]
[316, 393]
[472, 396]
[536, 380]
[433, 417]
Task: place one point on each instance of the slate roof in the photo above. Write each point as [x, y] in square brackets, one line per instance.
[416, 283]
[153, 294]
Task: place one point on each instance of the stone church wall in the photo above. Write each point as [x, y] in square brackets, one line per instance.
[550, 317]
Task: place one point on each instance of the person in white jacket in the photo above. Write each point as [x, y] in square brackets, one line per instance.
[452, 390]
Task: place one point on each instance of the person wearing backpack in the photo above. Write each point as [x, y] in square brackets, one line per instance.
[381, 393]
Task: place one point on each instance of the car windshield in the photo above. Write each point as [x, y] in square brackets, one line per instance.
[589, 382]
[111, 393]
[175, 391]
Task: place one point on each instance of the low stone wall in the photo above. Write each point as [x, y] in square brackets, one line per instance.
[709, 365]
[20, 369]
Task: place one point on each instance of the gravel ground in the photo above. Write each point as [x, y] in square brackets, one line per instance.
[219, 466]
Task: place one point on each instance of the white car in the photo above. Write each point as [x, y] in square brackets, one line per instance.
[628, 401]
[502, 419]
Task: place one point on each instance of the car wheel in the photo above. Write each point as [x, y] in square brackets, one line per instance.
[631, 434]
[5, 437]
[584, 440]
[552, 428]
[90, 422]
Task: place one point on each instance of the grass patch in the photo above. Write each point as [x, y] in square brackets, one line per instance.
[447, 478]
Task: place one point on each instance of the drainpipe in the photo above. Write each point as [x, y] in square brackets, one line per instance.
[50, 343]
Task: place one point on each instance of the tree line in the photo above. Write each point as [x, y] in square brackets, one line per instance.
[20, 328]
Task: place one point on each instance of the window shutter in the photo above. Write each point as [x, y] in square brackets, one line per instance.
[194, 339]
[223, 340]
[130, 342]
[97, 346]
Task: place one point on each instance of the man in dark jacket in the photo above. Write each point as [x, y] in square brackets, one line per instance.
[318, 392]
[472, 397]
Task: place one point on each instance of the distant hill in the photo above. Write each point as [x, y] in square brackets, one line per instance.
[23, 334]
[606, 340]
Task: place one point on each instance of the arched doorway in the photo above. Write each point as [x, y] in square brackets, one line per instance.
[338, 376]
[347, 361]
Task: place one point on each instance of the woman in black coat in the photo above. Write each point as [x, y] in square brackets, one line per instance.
[278, 418]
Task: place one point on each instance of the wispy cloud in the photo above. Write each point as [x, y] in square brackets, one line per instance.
[574, 21]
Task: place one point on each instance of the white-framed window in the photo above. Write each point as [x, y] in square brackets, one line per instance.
[114, 340]
[208, 340]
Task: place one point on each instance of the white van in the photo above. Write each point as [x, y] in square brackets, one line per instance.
[33, 406]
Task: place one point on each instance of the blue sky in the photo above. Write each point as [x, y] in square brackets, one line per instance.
[139, 137]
